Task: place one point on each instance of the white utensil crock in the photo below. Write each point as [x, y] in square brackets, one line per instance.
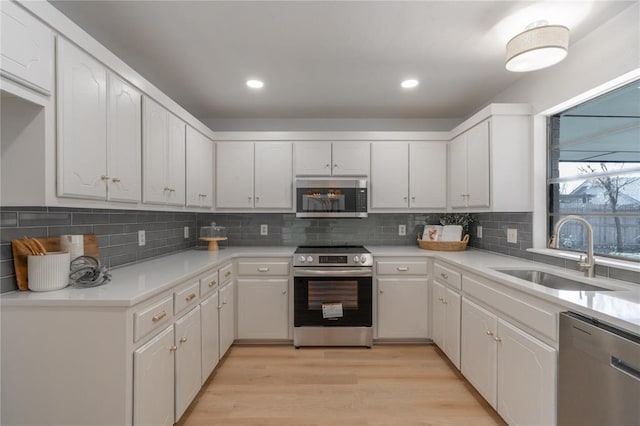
[73, 244]
[48, 272]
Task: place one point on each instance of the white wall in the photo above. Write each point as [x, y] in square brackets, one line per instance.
[330, 124]
[606, 53]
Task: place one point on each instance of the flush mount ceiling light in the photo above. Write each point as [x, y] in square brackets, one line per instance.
[538, 46]
[255, 84]
[409, 84]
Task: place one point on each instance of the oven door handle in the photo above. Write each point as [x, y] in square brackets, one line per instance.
[332, 272]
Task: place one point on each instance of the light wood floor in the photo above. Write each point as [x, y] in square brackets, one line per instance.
[385, 385]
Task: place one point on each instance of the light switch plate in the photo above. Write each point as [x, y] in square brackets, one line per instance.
[186, 232]
[512, 235]
[479, 231]
[264, 229]
[142, 238]
[402, 230]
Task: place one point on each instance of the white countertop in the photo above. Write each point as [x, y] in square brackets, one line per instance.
[135, 283]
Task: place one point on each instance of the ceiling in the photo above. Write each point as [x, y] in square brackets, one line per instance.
[326, 59]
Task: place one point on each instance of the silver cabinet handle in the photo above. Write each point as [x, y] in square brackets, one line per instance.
[497, 339]
[264, 269]
[115, 180]
[326, 166]
[227, 274]
[202, 195]
[284, 291]
[183, 339]
[105, 177]
[489, 333]
[173, 348]
[402, 268]
[381, 291]
[257, 199]
[336, 166]
[212, 283]
[166, 188]
[224, 303]
[445, 301]
[249, 198]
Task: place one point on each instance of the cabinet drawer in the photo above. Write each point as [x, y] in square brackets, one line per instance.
[393, 267]
[447, 275]
[225, 274]
[186, 295]
[263, 268]
[208, 283]
[151, 317]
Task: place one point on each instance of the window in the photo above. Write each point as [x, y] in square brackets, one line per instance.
[594, 172]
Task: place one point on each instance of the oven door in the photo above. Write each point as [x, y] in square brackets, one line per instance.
[333, 301]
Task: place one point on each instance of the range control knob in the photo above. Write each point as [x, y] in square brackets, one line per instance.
[356, 259]
[363, 259]
[302, 259]
[309, 259]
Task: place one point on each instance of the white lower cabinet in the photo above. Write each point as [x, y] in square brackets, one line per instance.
[402, 308]
[210, 344]
[445, 311]
[263, 308]
[227, 317]
[153, 381]
[511, 369]
[188, 360]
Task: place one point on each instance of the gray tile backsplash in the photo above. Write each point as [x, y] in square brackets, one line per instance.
[117, 233]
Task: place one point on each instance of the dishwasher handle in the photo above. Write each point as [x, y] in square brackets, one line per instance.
[625, 368]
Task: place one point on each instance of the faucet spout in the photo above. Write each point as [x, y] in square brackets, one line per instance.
[587, 265]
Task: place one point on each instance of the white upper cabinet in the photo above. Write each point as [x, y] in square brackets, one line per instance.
[200, 162]
[82, 124]
[124, 137]
[408, 175]
[332, 159]
[163, 147]
[490, 163]
[26, 48]
[252, 175]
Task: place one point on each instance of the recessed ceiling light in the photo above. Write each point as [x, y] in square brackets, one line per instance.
[409, 84]
[255, 84]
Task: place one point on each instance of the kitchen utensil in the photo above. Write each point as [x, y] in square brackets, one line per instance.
[48, 272]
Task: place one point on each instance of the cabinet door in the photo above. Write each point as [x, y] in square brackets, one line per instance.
[227, 318]
[153, 381]
[458, 171]
[176, 161]
[188, 360]
[402, 308]
[389, 176]
[210, 344]
[526, 378]
[478, 165]
[124, 145]
[154, 152]
[199, 156]
[263, 308]
[234, 175]
[478, 352]
[313, 159]
[452, 326]
[427, 175]
[26, 49]
[82, 124]
[273, 175]
[437, 314]
[350, 158]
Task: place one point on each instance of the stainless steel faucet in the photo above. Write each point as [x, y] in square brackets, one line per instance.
[587, 265]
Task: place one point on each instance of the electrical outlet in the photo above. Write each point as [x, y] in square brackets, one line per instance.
[142, 238]
[402, 230]
[512, 236]
[264, 229]
[479, 231]
[186, 232]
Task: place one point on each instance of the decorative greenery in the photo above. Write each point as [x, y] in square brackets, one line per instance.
[464, 219]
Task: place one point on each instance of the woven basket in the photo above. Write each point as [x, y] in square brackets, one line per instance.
[444, 245]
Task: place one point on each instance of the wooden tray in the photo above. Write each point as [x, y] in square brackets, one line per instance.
[51, 244]
[444, 245]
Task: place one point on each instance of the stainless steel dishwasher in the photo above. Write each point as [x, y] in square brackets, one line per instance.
[598, 373]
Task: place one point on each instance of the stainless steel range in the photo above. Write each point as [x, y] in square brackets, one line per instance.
[332, 294]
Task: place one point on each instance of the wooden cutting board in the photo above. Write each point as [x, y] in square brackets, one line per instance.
[51, 244]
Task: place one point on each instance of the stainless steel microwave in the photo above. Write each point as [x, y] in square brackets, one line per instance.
[331, 198]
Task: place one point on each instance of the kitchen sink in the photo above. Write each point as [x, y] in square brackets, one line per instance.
[551, 280]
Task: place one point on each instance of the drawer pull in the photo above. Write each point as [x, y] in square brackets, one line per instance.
[443, 275]
[265, 269]
[227, 274]
[190, 297]
[173, 348]
[489, 333]
[445, 301]
[497, 339]
[212, 283]
[159, 316]
[402, 268]
[183, 339]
